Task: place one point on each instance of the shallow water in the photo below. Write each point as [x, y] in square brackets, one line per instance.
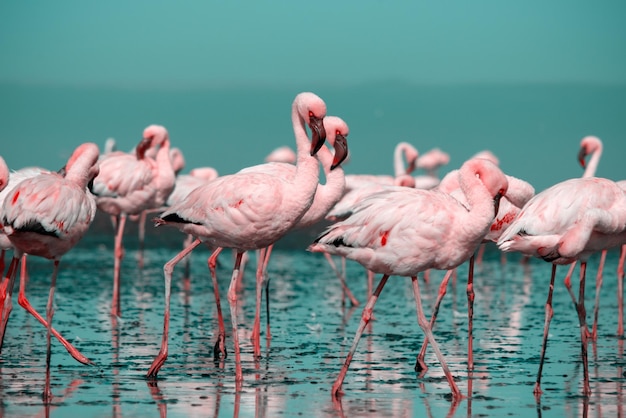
[311, 334]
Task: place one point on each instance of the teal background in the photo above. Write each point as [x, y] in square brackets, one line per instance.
[526, 80]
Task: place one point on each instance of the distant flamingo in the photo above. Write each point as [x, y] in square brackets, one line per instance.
[326, 196]
[430, 161]
[589, 145]
[281, 155]
[178, 163]
[247, 211]
[566, 223]
[406, 231]
[46, 216]
[130, 183]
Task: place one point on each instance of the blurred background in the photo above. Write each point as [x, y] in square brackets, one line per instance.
[526, 80]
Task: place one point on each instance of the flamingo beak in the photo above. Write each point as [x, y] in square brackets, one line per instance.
[318, 134]
[142, 147]
[496, 203]
[341, 151]
[581, 156]
[410, 168]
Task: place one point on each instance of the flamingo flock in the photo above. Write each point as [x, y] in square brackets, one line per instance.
[402, 225]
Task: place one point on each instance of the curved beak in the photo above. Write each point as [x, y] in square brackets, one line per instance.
[496, 202]
[411, 167]
[142, 147]
[581, 156]
[341, 151]
[318, 134]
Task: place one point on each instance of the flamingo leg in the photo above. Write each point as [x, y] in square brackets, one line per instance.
[268, 334]
[168, 269]
[568, 284]
[232, 300]
[260, 282]
[24, 303]
[620, 292]
[220, 345]
[584, 333]
[141, 226]
[470, 315]
[342, 280]
[425, 326]
[365, 319]
[420, 364]
[7, 287]
[596, 308]
[119, 255]
[47, 394]
[548, 317]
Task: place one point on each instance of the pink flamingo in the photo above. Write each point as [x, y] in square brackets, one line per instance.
[359, 186]
[178, 163]
[567, 223]
[519, 192]
[430, 161]
[405, 231]
[325, 198]
[247, 211]
[589, 145]
[130, 183]
[281, 155]
[46, 216]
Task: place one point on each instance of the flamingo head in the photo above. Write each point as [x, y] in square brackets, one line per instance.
[153, 136]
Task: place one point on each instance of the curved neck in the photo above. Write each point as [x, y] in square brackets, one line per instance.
[590, 171]
[307, 170]
[399, 167]
[480, 203]
[328, 194]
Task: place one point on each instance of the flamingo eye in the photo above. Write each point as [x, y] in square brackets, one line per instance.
[337, 132]
[311, 114]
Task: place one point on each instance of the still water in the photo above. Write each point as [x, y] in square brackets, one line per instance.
[311, 334]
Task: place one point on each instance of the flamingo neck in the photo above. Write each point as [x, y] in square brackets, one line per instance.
[328, 194]
[399, 166]
[307, 170]
[480, 203]
[165, 176]
[590, 171]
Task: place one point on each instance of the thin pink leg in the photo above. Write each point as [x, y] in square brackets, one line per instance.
[584, 333]
[481, 253]
[365, 319]
[268, 334]
[342, 280]
[596, 308]
[256, 328]
[7, 289]
[420, 364]
[141, 226]
[219, 351]
[119, 255]
[546, 327]
[620, 292]
[24, 303]
[232, 300]
[425, 326]
[168, 269]
[470, 315]
[568, 284]
[47, 394]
